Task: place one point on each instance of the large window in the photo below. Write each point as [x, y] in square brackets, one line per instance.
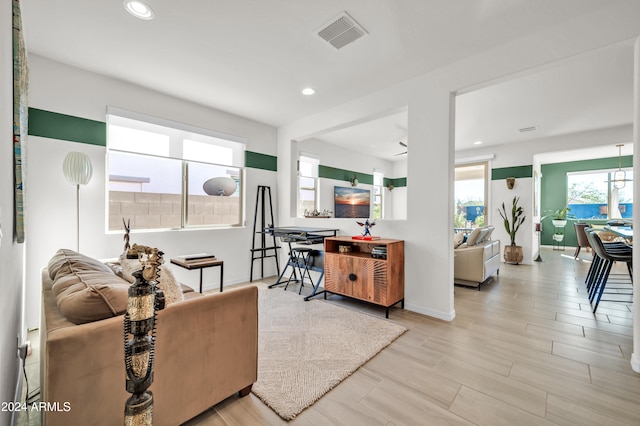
[593, 195]
[307, 185]
[470, 195]
[167, 175]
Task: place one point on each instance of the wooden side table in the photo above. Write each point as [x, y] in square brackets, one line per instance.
[201, 264]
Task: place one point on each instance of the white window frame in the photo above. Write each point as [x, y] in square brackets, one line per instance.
[178, 134]
[378, 189]
[308, 170]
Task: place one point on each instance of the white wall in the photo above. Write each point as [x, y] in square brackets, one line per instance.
[11, 254]
[428, 230]
[51, 200]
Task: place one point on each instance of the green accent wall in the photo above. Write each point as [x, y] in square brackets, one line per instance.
[255, 160]
[553, 192]
[53, 125]
[516, 172]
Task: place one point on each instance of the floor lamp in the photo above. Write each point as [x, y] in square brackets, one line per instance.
[538, 231]
[78, 170]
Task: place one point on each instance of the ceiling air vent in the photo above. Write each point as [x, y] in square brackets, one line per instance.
[528, 129]
[341, 30]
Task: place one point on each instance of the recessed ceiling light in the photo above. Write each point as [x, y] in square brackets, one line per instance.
[139, 9]
[477, 143]
[308, 91]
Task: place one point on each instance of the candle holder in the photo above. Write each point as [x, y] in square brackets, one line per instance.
[538, 231]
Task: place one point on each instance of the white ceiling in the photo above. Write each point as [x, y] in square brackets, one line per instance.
[252, 58]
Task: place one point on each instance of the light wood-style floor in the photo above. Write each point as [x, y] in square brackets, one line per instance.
[525, 349]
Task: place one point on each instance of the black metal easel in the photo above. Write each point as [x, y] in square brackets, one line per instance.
[263, 251]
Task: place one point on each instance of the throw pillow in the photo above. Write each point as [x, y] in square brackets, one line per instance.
[65, 262]
[85, 296]
[474, 238]
[458, 238]
[488, 236]
[167, 282]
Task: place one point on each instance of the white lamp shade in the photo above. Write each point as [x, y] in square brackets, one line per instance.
[77, 168]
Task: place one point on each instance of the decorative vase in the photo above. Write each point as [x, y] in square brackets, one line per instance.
[513, 254]
[511, 181]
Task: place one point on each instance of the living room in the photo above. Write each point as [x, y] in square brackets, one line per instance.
[68, 90]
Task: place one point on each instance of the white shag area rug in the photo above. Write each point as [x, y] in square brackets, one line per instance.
[306, 348]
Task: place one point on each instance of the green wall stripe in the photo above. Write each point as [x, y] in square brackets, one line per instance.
[397, 182]
[346, 175]
[516, 172]
[255, 160]
[53, 125]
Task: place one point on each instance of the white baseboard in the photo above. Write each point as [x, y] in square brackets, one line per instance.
[635, 362]
[431, 313]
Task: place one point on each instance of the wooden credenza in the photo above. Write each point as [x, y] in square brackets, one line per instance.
[357, 274]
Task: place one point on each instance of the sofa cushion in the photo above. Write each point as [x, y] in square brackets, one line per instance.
[84, 290]
[474, 237]
[458, 238]
[66, 261]
[487, 236]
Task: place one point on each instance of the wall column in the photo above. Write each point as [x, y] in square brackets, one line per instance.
[428, 230]
[635, 357]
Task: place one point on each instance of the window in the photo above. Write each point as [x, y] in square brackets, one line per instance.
[167, 175]
[592, 195]
[307, 185]
[470, 195]
[378, 179]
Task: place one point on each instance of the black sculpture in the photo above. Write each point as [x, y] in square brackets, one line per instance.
[140, 321]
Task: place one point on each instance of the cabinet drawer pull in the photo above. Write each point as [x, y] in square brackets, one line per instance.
[352, 277]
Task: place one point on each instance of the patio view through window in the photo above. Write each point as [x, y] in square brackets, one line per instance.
[470, 195]
[592, 195]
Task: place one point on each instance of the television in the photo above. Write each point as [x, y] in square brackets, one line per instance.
[352, 203]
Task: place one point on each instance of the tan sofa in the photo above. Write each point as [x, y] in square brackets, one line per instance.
[206, 350]
[478, 259]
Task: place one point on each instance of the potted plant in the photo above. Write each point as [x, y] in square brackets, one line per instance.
[512, 222]
[559, 220]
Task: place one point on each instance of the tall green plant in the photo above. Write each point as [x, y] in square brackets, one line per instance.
[512, 224]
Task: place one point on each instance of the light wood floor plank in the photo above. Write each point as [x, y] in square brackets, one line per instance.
[565, 412]
[591, 358]
[548, 361]
[390, 400]
[620, 382]
[517, 394]
[484, 410]
[611, 403]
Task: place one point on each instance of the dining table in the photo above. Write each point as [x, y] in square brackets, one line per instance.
[625, 232]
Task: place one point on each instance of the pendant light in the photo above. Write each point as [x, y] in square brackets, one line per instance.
[619, 176]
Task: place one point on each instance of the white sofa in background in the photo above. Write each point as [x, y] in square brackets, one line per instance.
[477, 259]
